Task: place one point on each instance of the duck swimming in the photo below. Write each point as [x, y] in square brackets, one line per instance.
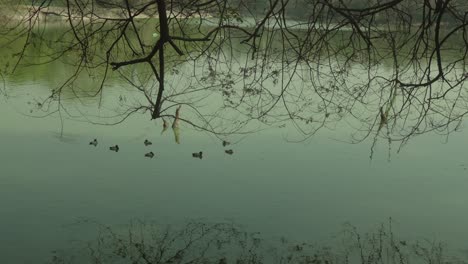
[115, 148]
[198, 155]
[229, 151]
[225, 143]
[94, 142]
[149, 155]
[147, 142]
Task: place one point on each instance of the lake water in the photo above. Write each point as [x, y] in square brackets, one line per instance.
[305, 191]
[50, 178]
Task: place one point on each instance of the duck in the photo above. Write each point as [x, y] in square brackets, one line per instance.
[147, 142]
[198, 155]
[115, 148]
[94, 142]
[225, 143]
[229, 151]
[149, 155]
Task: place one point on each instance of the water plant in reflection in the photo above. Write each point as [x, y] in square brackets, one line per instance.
[198, 242]
[175, 125]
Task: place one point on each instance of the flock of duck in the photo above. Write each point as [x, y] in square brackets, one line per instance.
[150, 154]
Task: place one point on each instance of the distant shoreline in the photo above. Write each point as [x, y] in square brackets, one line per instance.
[57, 15]
[54, 13]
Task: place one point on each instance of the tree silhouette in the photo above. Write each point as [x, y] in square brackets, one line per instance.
[386, 69]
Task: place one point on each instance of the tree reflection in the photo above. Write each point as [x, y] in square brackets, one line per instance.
[380, 69]
[198, 242]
